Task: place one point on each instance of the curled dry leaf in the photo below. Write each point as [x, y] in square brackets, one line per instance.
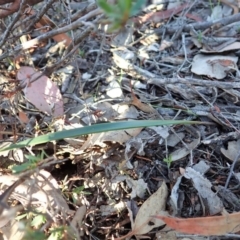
[41, 91]
[232, 151]
[204, 188]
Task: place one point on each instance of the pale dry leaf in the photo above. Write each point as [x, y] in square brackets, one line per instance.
[201, 167]
[172, 140]
[120, 136]
[162, 131]
[174, 195]
[173, 4]
[230, 47]
[13, 230]
[121, 62]
[214, 66]
[112, 208]
[114, 90]
[184, 151]
[217, 13]
[152, 206]
[232, 151]
[135, 144]
[154, 47]
[43, 93]
[42, 194]
[123, 37]
[138, 187]
[165, 44]
[9, 215]
[203, 186]
[125, 111]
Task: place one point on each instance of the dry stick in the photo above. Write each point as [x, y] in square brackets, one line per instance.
[79, 13]
[201, 25]
[40, 14]
[193, 81]
[69, 53]
[231, 169]
[151, 78]
[50, 34]
[9, 28]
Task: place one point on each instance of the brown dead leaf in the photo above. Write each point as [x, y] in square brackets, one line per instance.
[142, 106]
[217, 225]
[23, 117]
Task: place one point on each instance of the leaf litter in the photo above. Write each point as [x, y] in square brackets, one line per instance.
[176, 60]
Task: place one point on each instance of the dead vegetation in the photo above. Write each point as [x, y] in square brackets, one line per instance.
[61, 69]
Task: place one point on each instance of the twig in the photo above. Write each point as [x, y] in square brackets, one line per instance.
[193, 81]
[40, 14]
[9, 28]
[231, 169]
[50, 34]
[201, 25]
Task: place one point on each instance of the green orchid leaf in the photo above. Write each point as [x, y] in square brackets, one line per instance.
[97, 128]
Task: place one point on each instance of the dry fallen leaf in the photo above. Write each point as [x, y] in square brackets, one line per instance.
[153, 205]
[43, 93]
[120, 136]
[232, 151]
[217, 225]
[204, 188]
[184, 151]
[214, 66]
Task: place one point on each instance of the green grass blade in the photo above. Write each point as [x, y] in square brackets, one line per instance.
[106, 6]
[97, 128]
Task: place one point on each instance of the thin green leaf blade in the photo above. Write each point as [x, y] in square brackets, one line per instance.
[97, 128]
[106, 6]
[136, 7]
